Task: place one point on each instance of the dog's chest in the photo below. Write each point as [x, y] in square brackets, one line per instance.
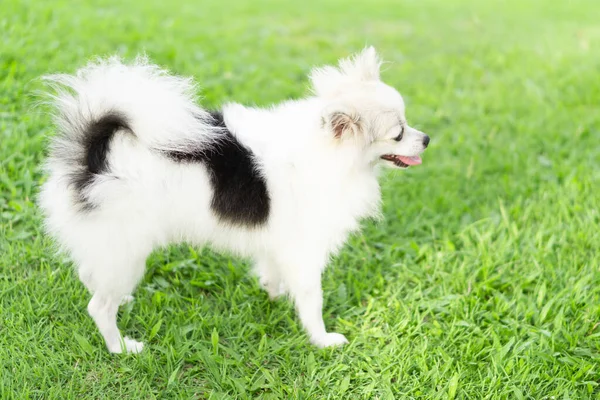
[336, 209]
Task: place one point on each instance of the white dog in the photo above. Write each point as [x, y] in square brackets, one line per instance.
[137, 164]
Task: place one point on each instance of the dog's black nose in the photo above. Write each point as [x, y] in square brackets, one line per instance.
[426, 141]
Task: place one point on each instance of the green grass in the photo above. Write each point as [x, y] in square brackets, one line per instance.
[481, 282]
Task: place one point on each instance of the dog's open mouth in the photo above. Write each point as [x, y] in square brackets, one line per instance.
[402, 161]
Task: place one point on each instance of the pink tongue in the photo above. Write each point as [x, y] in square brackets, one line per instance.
[414, 160]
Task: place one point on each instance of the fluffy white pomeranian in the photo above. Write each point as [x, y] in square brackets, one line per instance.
[137, 164]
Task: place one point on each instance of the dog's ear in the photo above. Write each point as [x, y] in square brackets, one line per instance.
[342, 123]
[364, 66]
[326, 80]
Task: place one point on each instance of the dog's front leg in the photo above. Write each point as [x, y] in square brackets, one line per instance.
[304, 285]
[269, 277]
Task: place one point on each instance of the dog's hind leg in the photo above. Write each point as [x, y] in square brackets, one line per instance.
[103, 309]
[111, 285]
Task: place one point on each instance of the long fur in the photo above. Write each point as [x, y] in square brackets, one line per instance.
[137, 164]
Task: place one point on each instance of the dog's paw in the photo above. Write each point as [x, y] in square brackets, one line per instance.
[274, 289]
[128, 346]
[132, 346]
[126, 300]
[329, 340]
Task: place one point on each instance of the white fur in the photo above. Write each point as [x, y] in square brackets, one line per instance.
[320, 185]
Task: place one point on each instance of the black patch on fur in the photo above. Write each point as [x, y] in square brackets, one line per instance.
[95, 139]
[240, 194]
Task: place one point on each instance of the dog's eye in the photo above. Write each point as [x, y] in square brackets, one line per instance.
[399, 137]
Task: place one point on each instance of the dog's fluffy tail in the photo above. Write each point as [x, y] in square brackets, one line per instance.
[106, 98]
[157, 108]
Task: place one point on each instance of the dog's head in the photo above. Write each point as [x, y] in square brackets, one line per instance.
[364, 111]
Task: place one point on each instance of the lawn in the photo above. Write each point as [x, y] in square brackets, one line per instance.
[481, 282]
